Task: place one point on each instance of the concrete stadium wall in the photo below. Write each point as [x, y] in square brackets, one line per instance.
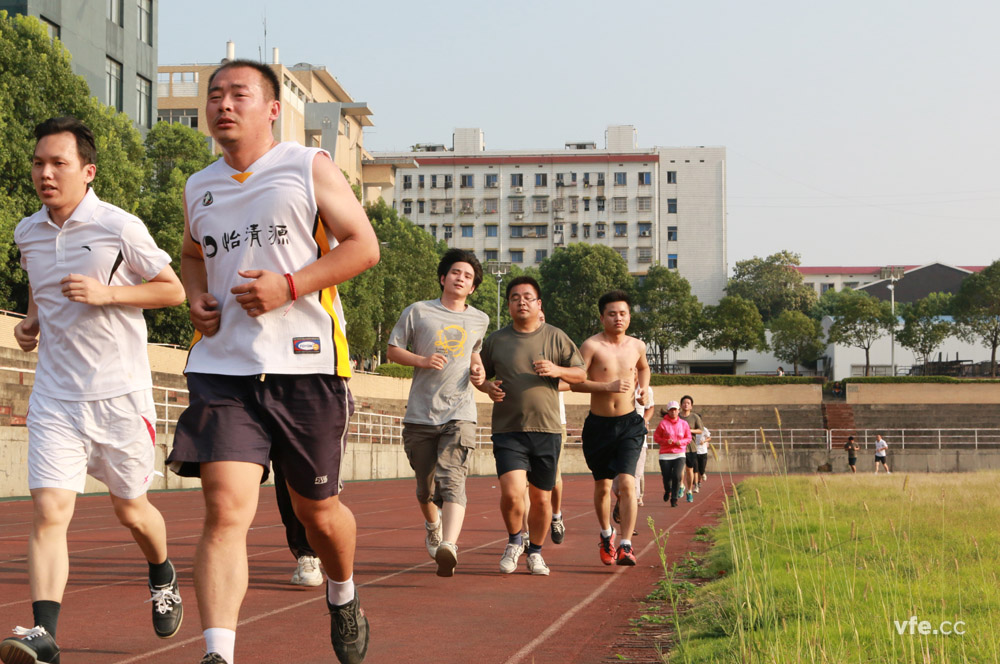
[923, 393]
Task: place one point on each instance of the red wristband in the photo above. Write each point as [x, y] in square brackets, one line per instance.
[291, 286]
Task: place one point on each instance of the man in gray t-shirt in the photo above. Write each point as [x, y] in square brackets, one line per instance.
[441, 340]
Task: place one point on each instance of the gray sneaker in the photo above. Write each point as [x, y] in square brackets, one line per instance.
[433, 539]
[536, 564]
[446, 558]
[558, 531]
[510, 557]
[213, 658]
[349, 631]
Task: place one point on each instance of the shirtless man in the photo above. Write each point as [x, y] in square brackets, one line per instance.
[613, 433]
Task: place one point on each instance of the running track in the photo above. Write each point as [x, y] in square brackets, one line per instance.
[479, 615]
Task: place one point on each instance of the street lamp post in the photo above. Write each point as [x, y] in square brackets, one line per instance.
[498, 269]
[893, 274]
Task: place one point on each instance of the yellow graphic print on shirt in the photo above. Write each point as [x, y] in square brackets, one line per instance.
[451, 341]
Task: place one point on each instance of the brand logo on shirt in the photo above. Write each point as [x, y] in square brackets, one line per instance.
[302, 345]
[207, 199]
[87, 248]
[322, 479]
[451, 340]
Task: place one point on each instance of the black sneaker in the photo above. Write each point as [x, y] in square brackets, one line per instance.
[168, 612]
[213, 658]
[349, 631]
[29, 646]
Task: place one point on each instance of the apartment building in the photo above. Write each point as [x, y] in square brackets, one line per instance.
[657, 205]
[316, 110]
[113, 44]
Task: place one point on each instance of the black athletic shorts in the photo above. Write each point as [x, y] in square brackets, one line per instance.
[296, 421]
[881, 459]
[534, 451]
[611, 445]
[851, 461]
[702, 464]
[691, 459]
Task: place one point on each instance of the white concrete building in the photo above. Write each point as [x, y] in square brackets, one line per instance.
[656, 205]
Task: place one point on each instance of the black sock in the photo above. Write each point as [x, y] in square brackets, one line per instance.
[161, 574]
[534, 548]
[46, 614]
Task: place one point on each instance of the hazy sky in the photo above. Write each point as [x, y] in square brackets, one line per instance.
[858, 132]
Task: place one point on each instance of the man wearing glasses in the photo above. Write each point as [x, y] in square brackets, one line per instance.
[526, 360]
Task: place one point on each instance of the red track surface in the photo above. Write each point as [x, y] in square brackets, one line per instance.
[479, 615]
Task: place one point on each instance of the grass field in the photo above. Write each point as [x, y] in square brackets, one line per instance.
[847, 568]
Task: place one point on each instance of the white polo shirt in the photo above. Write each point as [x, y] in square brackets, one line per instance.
[85, 352]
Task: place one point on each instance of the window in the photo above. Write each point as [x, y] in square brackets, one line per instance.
[850, 285]
[144, 101]
[517, 205]
[434, 182]
[541, 180]
[541, 254]
[539, 231]
[600, 204]
[671, 234]
[448, 182]
[407, 207]
[645, 229]
[448, 203]
[516, 256]
[825, 287]
[574, 204]
[467, 181]
[645, 255]
[492, 255]
[574, 229]
[467, 231]
[434, 230]
[517, 179]
[623, 252]
[115, 12]
[586, 205]
[600, 179]
[186, 116]
[621, 179]
[448, 232]
[468, 205]
[586, 179]
[558, 205]
[646, 177]
[671, 177]
[347, 128]
[492, 231]
[586, 230]
[517, 231]
[602, 229]
[420, 179]
[491, 180]
[671, 206]
[557, 228]
[146, 21]
[541, 205]
[407, 182]
[644, 203]
[420, 207]
[50, 27]
[621, 230]
[490, 205]
[113, 84]
[620, 204]
[671, 261]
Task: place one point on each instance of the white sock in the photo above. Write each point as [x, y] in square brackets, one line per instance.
[222, 641]
[625, 541]
[339, 593]
[556, 517]
[431, 526]
[606, 533]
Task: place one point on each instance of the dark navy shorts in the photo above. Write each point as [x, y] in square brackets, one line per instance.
[537, 452]
[611, 445]
[297, 422]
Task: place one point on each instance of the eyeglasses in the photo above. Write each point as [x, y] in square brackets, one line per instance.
[527, 299]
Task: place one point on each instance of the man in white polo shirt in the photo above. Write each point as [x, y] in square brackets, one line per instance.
[93, 268]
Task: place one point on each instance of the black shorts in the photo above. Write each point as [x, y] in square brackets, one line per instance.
[881, 459]
[611, 445]
[690, 459]
[534, 451]
[851, 461]
[702, 463]
[298, 422]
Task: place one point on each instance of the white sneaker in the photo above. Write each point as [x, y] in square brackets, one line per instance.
[697, 488]
[307, 573]
[536, 565]
[446, 558]
[433, 539]
[510, 557]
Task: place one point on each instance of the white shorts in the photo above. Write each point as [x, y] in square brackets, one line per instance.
[113, 440]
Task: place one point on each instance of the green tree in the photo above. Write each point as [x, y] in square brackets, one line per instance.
[772, 284]
[173, 153]
[827, 303]
[573, 278]
[859, 321]
[38, 84]
[734, 325]
[977, 310]
[796, 338]
[925, 326]
[485, 297]
[668, 314]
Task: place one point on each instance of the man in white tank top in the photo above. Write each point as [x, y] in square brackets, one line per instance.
[270, 231]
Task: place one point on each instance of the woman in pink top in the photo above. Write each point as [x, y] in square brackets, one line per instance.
[673, 436]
